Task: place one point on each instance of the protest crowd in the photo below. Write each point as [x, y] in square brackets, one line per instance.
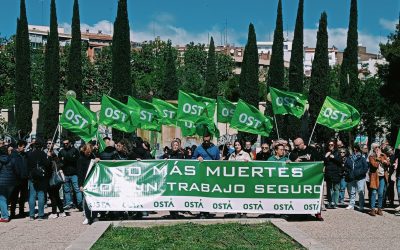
[31, 172]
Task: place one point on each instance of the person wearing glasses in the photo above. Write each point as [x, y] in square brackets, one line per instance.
[303, 153]
[265, 152]
[279, 154]
[332, 174]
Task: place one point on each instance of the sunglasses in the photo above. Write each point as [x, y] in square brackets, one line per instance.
[264, 147]
[342, 152]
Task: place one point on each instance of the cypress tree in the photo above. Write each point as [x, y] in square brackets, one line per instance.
[121, 58]
[248, 83]
[49, 103]
[210, 88]
[276, 70]
[296, 69]
[349, 69]
[23, 86]
[74, 77]
[319, 85]
[170, 86]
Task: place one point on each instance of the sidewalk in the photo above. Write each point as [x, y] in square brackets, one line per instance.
[47, 234]
[351, 229]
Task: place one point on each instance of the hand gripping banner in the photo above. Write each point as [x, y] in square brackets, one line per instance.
[208, 186]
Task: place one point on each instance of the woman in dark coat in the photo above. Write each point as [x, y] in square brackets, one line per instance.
[39, 167]
[332, 174]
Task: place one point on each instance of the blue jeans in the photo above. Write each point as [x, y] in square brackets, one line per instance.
[381, 193]
[354, 187]
[32, 200]
[4, 207]
[398, 188]
[72, 180]
[342, 189]
[333, 193]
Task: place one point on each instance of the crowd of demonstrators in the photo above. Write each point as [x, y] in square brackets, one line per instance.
[26, 170]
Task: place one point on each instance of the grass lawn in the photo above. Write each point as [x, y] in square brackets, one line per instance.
[195, 236]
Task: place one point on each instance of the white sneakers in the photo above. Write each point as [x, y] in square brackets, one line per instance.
[349, 207]
[397, 208]
[63, 215]
[53, 216]
[85, 222]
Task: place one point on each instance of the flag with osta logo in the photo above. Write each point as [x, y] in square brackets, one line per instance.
[190, 129]
[225, 110]
[79, 120]
[285, 102]
[194, 108]
[144, 115]
[248, 118]
[115, 114]
[338, 115]
[166, 111]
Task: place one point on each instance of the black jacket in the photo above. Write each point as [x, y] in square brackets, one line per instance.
[261, 156]
[83, 166]
[109, 153]
[68, 158]
[38, 157]
[356, 168]
[333, 168]
[9, 175]
[312, 152]
[178, 154]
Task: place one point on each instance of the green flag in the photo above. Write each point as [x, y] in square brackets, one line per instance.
[194, 108]
[338, 115]
[248, 118]
[398, 140]
[115, 114]
[225, 110]
[285, 102]
[190, 129]
[79, 120]
[100, 142]
[166, 111]
[144, 115]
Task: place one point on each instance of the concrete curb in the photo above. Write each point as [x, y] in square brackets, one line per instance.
[152, 223]
[87, 239]
[298, 235]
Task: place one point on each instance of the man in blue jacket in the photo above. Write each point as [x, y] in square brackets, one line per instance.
[356, 168]
[207, 150]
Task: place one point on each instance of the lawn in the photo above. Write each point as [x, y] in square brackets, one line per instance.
[195, 236]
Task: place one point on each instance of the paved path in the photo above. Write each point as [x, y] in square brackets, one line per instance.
[47, 234]
[351, 229]
[341, 229]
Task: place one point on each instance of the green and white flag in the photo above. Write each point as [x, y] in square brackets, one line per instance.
[144, 115]
[79, 120]
[225, 110]
[398, 140]
[338, 115]
[167, 111]
[285, 102]
[194, 108]
[248, 118]
[100, 142]
[115, 114]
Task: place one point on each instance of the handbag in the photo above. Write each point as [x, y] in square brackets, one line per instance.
[57, 177]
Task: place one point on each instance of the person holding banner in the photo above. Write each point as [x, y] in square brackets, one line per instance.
[279, 154]
[239, 154]
[206, 151]
[264, 154]
[86, 156]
